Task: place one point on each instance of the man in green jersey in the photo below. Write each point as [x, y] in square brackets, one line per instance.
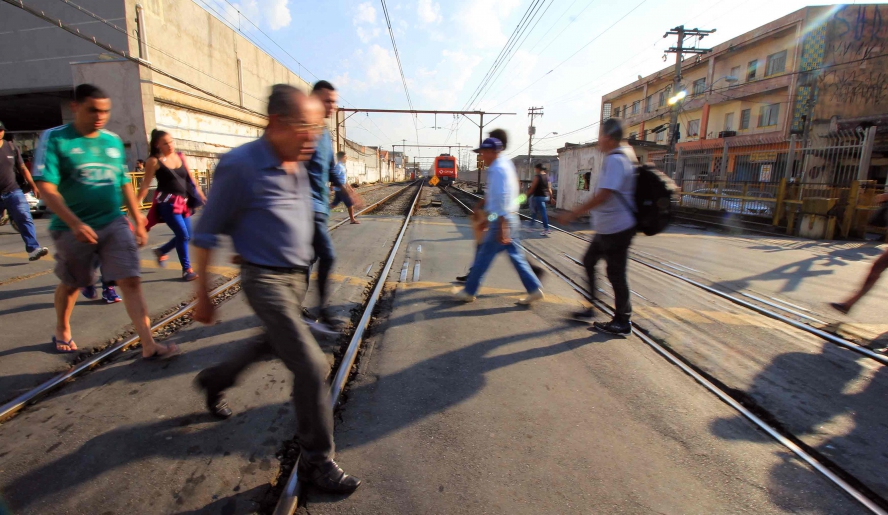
[81, 173]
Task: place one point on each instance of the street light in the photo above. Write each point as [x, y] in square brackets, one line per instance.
[730, 79]
[677, 98]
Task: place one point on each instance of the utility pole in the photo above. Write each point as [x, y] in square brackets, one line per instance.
[532, 112]
[678, 50]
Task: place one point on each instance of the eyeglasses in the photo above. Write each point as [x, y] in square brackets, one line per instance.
[302, 126]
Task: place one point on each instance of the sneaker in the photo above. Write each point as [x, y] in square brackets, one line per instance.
[110, 295]
[89, 292]
[464, 296]
[531, 297]
[547, 232]
[160, 256]
[586, 315]
[462, 278]
[37, 253]
[215, 399]
[327, 324]
[328, 477]
[614, 327]
[189, 275]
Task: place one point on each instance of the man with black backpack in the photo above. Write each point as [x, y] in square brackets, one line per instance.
[13, 176]
[613, 218]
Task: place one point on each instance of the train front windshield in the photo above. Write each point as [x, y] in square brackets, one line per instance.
[445, 163]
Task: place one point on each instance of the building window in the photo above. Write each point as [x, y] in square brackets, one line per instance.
[616, 113]
[700, 86]
[744, 119]
[625, 110]
[661, 136]
[735, 72]
[606, 111]
[776, 64]
[729, 122]
[694, 128]
[635, 107]
[768, 115]
[633, 135]
[662, 100]
[583, 179]
[751, 69]
[648, 104]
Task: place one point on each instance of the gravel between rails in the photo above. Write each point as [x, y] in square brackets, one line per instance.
[397, 206]
[448, 207]
[369, 194]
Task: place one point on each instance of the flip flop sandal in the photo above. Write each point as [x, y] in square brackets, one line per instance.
[164, 357]
[57, 342]
[839, 307]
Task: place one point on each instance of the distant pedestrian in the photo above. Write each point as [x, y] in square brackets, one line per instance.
[614, 223]
[12, 198]
[539, 193]
[501, 204]
[140, 166]
[82, 175]
[262, 200]
[338, 195]
[875, 272]
[175, 187]
[319, 174]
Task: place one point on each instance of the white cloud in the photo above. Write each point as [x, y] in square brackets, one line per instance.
[275, 14]
[444, 85]
[381, 66]
[366, 35]
[482, 21]
[365, 13]
[428, 11]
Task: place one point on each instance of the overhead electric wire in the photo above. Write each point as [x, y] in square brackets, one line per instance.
[388, 23]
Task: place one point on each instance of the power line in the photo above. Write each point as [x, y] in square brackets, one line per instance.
[388, 22]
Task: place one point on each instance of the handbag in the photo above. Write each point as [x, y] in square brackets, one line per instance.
[194, 200]
[880, 217]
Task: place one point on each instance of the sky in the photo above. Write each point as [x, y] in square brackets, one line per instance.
[577, 51]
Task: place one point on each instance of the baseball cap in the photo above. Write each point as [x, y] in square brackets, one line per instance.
[2, 127]
[491, 144]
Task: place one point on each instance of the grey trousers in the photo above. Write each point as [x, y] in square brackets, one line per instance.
[276, 297]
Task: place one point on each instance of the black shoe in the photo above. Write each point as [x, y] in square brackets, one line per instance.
[586, 315]
[327, 324]
[216, 403]
[538, 271]
[328, 477]
[307, 317]
[462, 278]
[614, 327]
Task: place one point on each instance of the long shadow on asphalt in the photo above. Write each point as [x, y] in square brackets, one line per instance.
[861, 450]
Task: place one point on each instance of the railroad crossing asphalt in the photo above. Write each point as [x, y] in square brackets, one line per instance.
[485, 407]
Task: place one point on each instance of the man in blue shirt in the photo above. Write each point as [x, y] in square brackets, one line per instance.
[340, 172]
[613, 220]
[501, 204]
[262, 199]
[319, 175]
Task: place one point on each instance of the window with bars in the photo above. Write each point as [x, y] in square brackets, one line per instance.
[661, 136]
[768, 115]
[662, 100]
[606, 111]
[776, 64]
[583, 179]
[729, 122]
[694, 128]
[617, 112]
[635, 107]
[700, 86]
[625, 110]
[751, 70]
[648, 104]
[744, 118]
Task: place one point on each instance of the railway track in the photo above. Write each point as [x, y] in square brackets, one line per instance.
[226, 290]
[289, 499]
[842, 479]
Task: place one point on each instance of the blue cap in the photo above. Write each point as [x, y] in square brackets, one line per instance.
[490, 143]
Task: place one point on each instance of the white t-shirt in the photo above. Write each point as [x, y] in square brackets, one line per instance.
[615, 214]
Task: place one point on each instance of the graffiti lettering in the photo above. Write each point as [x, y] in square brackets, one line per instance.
[868, 88]
[866, 23]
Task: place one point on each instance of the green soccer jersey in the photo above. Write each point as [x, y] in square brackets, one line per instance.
[88, 172]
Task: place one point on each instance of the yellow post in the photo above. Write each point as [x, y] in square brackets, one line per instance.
[850, 208]
[778, 207]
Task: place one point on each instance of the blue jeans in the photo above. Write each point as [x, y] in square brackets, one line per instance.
[488, 250]
[14, 202]
[181, 226]
[538, 207]
[323, 249]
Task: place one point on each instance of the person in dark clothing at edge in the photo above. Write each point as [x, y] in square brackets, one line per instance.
[319, 167]
[614, 224]
[12, 198]
[538, 194]
[261, 198]
[501, 135]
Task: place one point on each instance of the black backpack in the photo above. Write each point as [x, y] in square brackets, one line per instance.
[654, 192]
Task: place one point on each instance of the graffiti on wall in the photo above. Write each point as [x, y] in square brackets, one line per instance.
[854, 78]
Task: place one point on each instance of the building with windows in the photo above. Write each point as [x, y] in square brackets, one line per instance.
[798, 82]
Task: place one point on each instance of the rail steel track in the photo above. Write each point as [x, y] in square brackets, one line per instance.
[289, 499]
[875, 506]
[34, 395]
[805, 324]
